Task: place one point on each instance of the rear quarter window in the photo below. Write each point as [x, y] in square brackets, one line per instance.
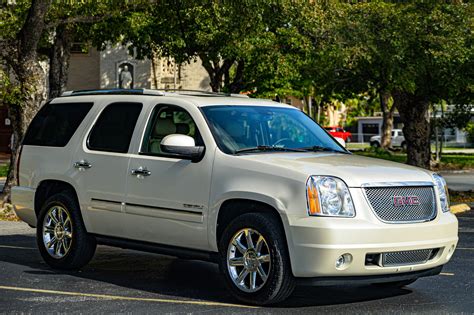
[55, 124]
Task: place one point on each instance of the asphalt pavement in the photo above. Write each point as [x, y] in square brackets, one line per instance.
[125, 281]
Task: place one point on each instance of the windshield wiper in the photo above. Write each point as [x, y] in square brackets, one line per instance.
[318, 148]
[263, 148]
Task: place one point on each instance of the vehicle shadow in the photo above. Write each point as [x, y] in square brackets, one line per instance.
[156, 274]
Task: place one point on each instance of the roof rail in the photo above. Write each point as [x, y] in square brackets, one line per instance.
[158, 92]
[114, 91]
[197, 92]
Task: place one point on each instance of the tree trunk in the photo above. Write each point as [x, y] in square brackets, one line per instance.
[416, 128]
[216, 69]
[237, 83]
[31, 80]
[387, 122]
[59, 60]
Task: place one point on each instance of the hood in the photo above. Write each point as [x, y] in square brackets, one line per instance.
[355, 170]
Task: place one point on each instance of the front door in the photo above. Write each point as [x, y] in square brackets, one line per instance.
[167, 198]
[101, 165]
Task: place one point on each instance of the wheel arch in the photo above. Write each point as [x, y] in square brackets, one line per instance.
[49, 187]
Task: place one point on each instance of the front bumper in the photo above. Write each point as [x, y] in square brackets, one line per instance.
[315, 243]
[361, 280]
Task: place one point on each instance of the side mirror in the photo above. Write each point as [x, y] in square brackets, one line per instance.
[341, 141]
[182, 146]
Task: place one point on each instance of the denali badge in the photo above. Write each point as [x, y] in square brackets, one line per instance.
[401, 201]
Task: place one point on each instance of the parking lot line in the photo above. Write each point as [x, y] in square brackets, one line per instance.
[447, 274]
[123, 298]
[17, 247]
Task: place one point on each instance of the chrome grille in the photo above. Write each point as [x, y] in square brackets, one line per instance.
[411, 257]
[381, 200]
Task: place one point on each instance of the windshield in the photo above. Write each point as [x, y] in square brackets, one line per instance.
[237, 128]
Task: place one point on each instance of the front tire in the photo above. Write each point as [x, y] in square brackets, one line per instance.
[61, 236]
[375, 144]
[255, 261]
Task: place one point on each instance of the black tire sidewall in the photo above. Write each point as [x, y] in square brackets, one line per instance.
[82, 245]
[280, 282]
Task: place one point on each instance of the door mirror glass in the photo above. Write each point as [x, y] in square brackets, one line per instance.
[181, 146]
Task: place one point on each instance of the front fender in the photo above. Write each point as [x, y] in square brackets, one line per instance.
[214, 209]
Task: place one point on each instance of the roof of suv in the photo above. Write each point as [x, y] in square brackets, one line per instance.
[199, 98]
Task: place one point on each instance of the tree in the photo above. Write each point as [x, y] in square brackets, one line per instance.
[21, 35]
[437, 65]
[365, 52]
[235, 41]
[25, 44]
[415, 53]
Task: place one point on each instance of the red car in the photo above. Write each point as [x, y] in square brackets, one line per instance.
[339, 132]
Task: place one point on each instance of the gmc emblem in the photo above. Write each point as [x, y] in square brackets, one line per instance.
[401, 201]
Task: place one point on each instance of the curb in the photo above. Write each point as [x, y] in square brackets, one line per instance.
[460, 208]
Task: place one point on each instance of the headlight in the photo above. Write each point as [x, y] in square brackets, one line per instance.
[328, 196]
[442, 191]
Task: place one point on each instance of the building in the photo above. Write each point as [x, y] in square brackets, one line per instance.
[372, 126]
[115, 67]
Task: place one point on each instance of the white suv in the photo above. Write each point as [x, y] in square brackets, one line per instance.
[397, 140]
[254, 185]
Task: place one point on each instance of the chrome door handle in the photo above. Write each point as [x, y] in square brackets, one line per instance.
[82, 164]
[141, 172]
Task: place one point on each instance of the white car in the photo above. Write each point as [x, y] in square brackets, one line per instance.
[254, 185]
[398, 140]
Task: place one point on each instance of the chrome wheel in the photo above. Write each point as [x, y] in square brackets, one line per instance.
[248, 260]
[57, 232]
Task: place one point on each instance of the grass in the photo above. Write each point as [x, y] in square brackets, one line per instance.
[449, 161]
[4, 170]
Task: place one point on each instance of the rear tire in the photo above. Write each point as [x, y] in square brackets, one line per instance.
[61, 236]
[267, 255]
[375, 144]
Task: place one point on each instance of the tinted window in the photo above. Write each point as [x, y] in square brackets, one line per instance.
[55, 124]
[114, 128]
[167, 120]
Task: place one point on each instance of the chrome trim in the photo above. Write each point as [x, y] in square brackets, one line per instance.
[402, 222]
[397, 184]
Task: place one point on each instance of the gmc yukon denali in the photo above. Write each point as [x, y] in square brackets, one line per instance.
[253, 185]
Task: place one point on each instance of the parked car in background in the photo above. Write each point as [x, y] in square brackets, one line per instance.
[339, 132]
[398, 140]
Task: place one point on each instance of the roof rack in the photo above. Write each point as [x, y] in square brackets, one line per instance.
[158, 92]
[114, 91]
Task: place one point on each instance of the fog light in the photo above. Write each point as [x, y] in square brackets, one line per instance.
[343, 261]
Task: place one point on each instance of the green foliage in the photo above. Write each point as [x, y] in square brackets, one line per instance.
[459, 117]
[4, 170]
[470, 132]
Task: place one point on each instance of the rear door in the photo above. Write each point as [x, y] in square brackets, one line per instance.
[101, 164]
[168, 203]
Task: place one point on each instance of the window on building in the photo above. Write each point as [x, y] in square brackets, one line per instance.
[55, 124]
[79, 48]
[114, 128]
